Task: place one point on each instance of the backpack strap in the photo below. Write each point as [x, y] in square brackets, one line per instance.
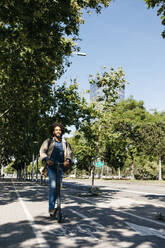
[49, 142]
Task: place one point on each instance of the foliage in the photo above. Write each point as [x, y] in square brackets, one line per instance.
[9, 169]
[128, 137]
[34, 127]
[111, 83]
[87, 143]
[84, 152]
[154, 135]
[36, 40]
[121, 134]
[140, 137]
[160, 5]
[145, 169]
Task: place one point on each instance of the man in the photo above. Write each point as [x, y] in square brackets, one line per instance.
[53, 151]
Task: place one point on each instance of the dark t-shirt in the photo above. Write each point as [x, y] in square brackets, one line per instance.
[57, 155]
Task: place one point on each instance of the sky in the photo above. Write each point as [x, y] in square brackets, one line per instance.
[125, 34]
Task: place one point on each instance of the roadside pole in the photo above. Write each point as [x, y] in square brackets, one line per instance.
[119, 173]
[160, 169]
[93, 176]
[2, 169]
[32, 166]
[37, 167]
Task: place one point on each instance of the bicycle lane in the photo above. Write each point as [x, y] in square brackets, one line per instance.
[98, 224]
[122, 226]
[33, 200]
[16, 225]
[46, 233]
[43, 232]
[87, 223]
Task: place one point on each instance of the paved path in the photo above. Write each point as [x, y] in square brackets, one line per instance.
[123, 215]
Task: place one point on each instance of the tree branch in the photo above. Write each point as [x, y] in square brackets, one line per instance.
[4, 112]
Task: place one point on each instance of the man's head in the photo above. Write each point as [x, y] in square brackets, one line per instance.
[57, 129]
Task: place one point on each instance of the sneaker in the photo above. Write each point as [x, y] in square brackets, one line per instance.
[51, 212]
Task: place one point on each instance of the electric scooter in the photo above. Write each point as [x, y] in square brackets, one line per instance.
[58, 213]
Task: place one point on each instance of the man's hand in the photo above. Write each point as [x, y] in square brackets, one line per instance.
[50, 162]
[66, 163]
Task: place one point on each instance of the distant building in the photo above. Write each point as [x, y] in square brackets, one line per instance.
[96, 92]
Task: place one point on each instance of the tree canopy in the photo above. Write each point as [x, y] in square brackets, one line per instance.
[126, 137]
[36, 40]
[160, 6]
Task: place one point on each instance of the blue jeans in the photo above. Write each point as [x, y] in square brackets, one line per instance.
[52, 185]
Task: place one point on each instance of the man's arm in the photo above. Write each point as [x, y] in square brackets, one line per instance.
[43, 150]
[69, 155]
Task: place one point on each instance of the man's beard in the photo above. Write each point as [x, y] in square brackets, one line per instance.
[59, 136]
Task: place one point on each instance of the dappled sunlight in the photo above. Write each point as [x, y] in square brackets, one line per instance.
[98, 221]
[15, 234]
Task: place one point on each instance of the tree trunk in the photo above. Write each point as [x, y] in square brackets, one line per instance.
[132, 168]
[119, 173]
[160, 169]
[2, 169]
[75, 172]
[32, 166]
[19, 174]
[102, 171]
[37, 167]
[26, 171]
[93, 176]
[108, 171]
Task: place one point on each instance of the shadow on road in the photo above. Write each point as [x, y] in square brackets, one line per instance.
[156, 197]
[15, 234]
[85, 225]
[27, 190]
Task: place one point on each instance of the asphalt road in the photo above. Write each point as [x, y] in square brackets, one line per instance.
[124, 214]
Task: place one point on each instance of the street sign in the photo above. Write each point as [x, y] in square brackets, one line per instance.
[99, 164]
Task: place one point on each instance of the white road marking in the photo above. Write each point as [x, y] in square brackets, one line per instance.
[145, 231]
[88, 230]
[102, 205]
[42, 243]
[143, 218]
[84, 217]
[141, 192]
[82, 229]
[97, 226]
[129, 191]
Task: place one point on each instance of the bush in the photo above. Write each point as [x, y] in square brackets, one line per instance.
[149, 170]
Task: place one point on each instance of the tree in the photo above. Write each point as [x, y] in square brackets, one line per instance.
[9, 169]
[87, 143]
[88, 147]
[160, 4]
[36, 40]
[154, 135]
[37, 31]
[111, 82]
[83, 151]
[65, 105]
[122, 133]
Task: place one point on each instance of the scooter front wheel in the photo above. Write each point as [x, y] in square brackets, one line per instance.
[59, 215]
